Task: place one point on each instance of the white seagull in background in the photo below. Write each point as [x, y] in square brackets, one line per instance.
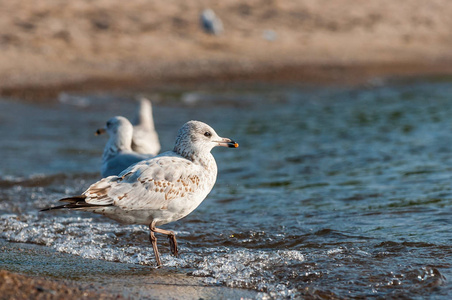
[118, 154]
[145, 139]
[159, 190]
[210, 22]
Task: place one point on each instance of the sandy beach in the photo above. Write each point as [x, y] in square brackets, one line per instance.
[105, 45]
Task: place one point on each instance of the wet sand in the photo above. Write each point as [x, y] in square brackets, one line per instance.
[42, 273]
[15, 286]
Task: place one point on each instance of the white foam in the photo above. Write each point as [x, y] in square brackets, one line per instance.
[87, 238]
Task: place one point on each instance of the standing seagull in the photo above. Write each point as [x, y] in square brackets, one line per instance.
[145, 139]
[210, 22]
[118, 154]
[160, 190]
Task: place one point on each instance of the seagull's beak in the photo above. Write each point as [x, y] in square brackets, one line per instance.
[100, 131]
[225, 142]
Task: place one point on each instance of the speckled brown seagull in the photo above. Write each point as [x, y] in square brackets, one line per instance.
[159, 190]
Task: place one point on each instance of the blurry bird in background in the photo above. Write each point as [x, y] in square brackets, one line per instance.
[118, 154]
[211, 23]
[145, 139]
[129, 144]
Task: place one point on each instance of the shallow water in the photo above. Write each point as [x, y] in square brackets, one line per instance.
[333, 192]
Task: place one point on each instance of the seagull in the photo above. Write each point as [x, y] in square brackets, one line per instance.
[118, 154]
[145, 139]
[159, 190]
[210, 22]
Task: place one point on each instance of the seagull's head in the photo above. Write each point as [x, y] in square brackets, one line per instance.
[117, 127]
[196, 137]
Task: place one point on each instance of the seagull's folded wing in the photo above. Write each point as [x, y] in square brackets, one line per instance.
[149, 184]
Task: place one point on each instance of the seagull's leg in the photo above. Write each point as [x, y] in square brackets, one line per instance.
[153, 240]
[173, 244]
[172, 240]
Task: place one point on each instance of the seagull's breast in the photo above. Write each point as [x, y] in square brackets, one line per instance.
[195, 188]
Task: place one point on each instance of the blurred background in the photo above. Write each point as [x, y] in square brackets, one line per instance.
[87, 44]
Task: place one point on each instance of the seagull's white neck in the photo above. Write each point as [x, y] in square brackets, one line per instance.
[202, 158]
[119, 142]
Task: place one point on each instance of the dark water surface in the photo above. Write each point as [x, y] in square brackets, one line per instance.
[332, 193]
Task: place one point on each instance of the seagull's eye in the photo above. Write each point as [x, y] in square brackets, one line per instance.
[207, 134]
[108, 124]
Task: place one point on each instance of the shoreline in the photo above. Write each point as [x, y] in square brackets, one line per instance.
[290, 74]
[48, 274]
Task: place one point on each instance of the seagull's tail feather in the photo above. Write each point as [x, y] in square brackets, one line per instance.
[74, 199]
[73, 203]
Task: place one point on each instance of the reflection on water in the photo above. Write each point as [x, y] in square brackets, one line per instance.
[333, 192]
